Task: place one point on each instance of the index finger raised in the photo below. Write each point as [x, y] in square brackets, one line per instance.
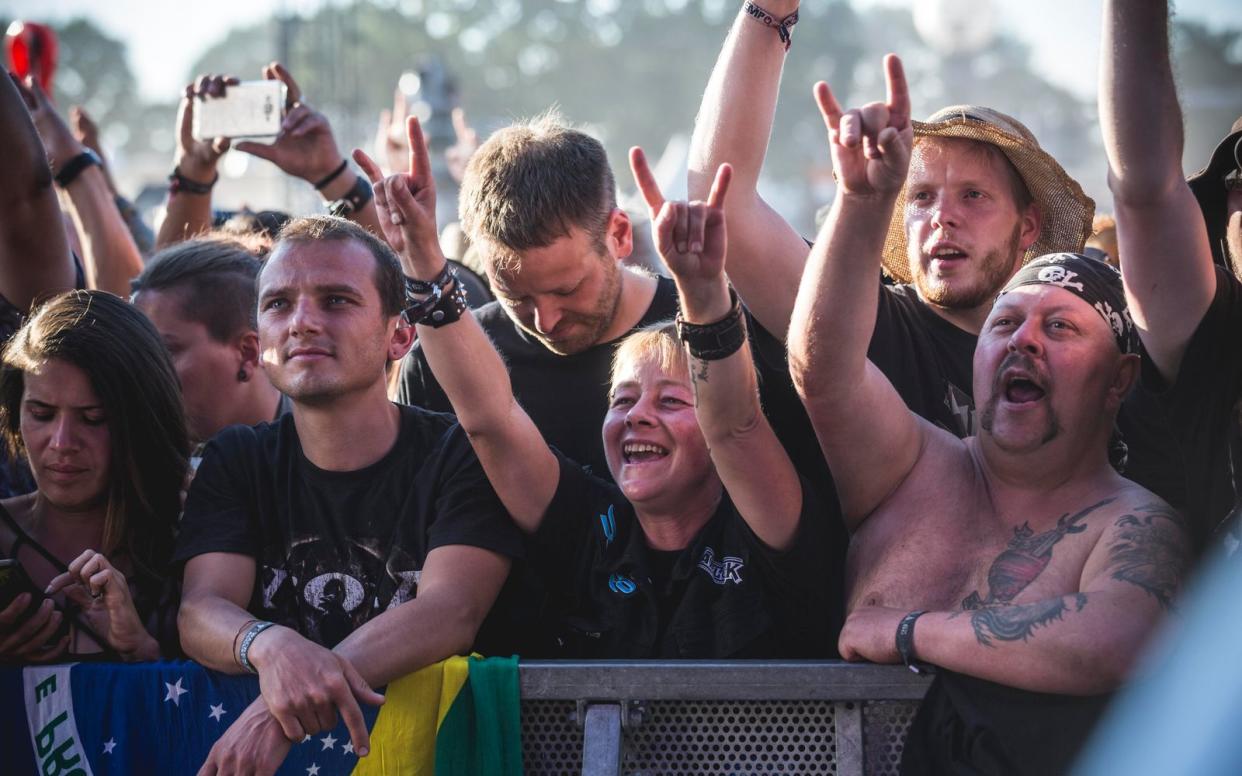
[420, 162]
[646, 181]
[369, 167]
[720, 186]
[829, 108]
[277, 72]
[898, 92]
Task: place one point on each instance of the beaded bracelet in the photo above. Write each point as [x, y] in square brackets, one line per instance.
[243, 654]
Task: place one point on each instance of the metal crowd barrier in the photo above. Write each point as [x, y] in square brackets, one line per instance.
[650, 718]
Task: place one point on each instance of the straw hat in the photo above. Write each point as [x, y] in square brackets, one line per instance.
[1208, 186]
[1066, 210]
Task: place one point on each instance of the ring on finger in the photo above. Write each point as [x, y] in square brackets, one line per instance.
[396, 218]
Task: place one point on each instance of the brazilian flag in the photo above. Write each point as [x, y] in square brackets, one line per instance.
[456, 717]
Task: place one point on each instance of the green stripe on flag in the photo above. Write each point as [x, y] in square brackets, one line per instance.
[482, 731]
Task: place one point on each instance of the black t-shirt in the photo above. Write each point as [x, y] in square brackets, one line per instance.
[930, 362]
[335, 549]
[1203, 406]
[972, 726]
[565, 396]
[727, 595]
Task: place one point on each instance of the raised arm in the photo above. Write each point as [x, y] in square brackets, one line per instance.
[34, 255]
[751, 462]
[306, 149]
[734, 124]
[870, 438]
[517, 460]
[109, 255]
[187, 213]
[1083, 643]
[1167, 260]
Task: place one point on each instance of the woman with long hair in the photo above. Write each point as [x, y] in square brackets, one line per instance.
[89, 397]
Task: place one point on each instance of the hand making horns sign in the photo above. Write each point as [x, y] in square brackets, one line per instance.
[690, 237]
[406, 202]
[871, 145]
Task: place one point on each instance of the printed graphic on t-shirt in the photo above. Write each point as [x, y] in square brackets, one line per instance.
[330, 589]
[727, 569]
[962, 407]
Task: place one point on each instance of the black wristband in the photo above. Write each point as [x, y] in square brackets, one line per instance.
[74, 167]
[354, 200]
[333, 175]
[179, 184]
[448, 308]
[905, 640]
[714, 341]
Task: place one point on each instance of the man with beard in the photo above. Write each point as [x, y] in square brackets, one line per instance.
[981, 199]
[1015, 560]
[1187, 305]
[350, 542]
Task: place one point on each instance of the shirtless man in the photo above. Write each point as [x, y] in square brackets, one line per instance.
[1034, 571]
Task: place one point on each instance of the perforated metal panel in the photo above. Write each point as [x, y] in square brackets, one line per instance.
[722, 737]
[551, 738]
[885, 724]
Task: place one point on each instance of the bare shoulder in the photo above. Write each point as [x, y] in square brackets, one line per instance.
[1145, 543]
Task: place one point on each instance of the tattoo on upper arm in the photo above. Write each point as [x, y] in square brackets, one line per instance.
[1150, 551]
[1014, 623]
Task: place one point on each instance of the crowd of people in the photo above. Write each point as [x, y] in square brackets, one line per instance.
[943, 433]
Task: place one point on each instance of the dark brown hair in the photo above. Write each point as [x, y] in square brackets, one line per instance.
[530, 183]
[130, 371]
[389, 280]
[214, 280]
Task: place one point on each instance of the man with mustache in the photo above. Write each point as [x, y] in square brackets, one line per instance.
[1015, 560]
[352, 541]
[981, 198]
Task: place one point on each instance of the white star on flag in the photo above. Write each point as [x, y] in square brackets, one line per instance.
[216, 712]
[109, 745]
[174, 692]
[313, 770]
[307, 738]
[328, 742]
[348, 748]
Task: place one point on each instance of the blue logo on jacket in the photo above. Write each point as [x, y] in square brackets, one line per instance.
[609, 523]
[621, 585]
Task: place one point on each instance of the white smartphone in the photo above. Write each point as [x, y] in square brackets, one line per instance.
[247, 109]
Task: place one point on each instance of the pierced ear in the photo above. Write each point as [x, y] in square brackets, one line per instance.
[620, 234]
[402, 339]
[248, 349]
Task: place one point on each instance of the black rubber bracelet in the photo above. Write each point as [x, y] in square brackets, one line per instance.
[333, 175]
[179, 184]
[905, 640]
[354, 200]
[74, 167]
[714, 341]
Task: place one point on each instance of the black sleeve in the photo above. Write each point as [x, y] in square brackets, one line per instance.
[585, 513]
[219, 510]
[813, 565]
[467, 509]
[1210, 374]
[417, 386]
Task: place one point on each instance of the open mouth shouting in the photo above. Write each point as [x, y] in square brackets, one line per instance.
[946, 254]
[642, 452]
[1020, 387]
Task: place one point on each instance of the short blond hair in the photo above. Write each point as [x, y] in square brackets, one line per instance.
[530, 183]
[656, 342]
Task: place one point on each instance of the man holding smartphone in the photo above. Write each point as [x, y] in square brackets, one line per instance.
[304, 148]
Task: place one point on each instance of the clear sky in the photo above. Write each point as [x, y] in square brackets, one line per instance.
[1064, 34]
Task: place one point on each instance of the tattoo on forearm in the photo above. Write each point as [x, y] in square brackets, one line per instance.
[698, 374]
[1150, 551]
[1027, 555]
[1014, 623]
